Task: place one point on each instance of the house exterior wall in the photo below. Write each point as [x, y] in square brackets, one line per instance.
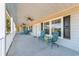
[72, 43]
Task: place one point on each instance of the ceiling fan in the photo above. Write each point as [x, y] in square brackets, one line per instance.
[29, 18]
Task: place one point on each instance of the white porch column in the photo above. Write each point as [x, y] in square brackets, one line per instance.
[28, 28]
[50, 28]
[13, 28]
[2, 29]
[11, 25]
[61, 27]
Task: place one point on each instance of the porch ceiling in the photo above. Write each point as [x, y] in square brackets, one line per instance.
[64, 12]
[35, 10]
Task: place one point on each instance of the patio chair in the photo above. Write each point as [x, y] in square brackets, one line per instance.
[54, 39]
[26, 31]
[42, 35]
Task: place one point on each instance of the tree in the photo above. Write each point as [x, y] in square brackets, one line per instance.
[8, 24]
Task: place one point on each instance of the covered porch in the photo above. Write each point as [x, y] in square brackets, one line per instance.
[27, 45]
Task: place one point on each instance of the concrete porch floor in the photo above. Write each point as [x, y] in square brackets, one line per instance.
[27, 45]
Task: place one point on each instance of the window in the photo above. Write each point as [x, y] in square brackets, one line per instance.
[66, 27]
[46, 27]
[31, 29]
[58, 30]
[41, 26]
[56, 21]
[56, 26]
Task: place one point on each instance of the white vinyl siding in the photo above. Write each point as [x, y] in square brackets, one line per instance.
[73, 43]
